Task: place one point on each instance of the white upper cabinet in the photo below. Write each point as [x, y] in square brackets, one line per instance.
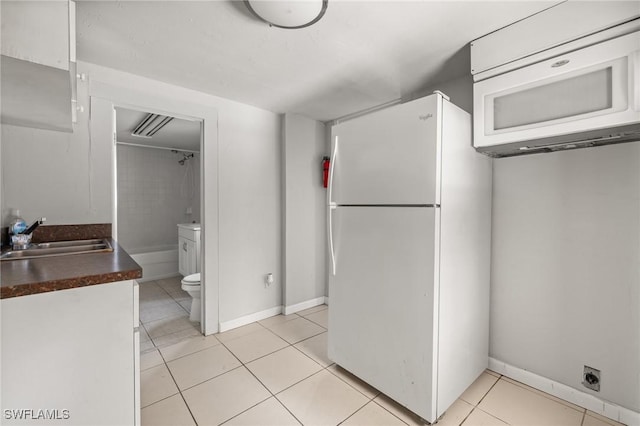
[554, 31]
[38, 63]
[38, 32]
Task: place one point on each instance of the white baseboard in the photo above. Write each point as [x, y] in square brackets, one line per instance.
[292, 309]
[562, 391]
[248, 319]
[326, 300]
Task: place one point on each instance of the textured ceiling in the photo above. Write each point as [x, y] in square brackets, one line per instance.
[361, 54]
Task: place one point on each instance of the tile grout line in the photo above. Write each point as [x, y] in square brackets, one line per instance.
[478, 404]
[487, 392]
[242, 364]
[481, 399]
[388, 411]
[367, 403]
[178, 387]
[259, 381]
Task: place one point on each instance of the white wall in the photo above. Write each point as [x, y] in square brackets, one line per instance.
[304, 145]
[66, 178]
[154, 193]
[565, 267]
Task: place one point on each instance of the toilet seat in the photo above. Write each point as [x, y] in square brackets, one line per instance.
[191, 280]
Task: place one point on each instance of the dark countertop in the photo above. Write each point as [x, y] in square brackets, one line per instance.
[33, 276]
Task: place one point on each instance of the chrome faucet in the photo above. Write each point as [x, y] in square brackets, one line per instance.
[33, 226]
[22, 240]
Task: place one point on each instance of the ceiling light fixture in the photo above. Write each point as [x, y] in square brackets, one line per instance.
[290, 14]
[150, 125]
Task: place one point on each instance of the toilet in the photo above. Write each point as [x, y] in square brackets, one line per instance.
[191, 284]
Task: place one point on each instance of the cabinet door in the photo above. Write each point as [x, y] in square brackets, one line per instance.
[187, 257]
[71, 350]
[183, 262]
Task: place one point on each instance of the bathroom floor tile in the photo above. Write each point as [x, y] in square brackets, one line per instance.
[316, 348]
[255, 345]
[148, 287]
[519, 406]
[373, 415]
[156, 383]
[309, 311]
[201, 366]
[169, 283]
[321, 318]
[158, 312]
[150, 359]
[359, 385]
[322, 399]
[152, 295]
[479, 388]
[218, 400]
[166, 326]
[186, 304]
[170, 339]
[179, 295]
[146, 346]
[188, 346]
[282, 369]
[168, 412]
[144, 336]
[296, 330]
[268, 413]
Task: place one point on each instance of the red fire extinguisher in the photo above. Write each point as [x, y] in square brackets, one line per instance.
[325, 171]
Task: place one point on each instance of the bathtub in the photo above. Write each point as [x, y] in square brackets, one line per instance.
[157, 262]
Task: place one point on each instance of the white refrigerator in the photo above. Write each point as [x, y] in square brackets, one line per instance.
[409, 225]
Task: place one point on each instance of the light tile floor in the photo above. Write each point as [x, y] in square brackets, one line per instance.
[276, 372]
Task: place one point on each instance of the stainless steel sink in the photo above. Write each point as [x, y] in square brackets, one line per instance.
[58, 248]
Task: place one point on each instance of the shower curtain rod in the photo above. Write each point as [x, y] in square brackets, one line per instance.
[156, 147]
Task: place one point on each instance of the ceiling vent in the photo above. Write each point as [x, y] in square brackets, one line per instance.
[150, 125]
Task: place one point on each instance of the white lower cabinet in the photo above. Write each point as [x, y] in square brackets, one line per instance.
[188, 248]
[72, 357]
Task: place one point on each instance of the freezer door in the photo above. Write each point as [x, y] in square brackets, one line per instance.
[388, 157]
[381, 300]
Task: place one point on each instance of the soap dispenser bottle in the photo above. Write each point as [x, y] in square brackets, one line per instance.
[17, 224]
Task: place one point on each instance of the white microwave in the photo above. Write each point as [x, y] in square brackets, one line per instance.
[586, 97]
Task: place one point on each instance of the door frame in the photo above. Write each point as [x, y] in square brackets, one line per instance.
[104, 98]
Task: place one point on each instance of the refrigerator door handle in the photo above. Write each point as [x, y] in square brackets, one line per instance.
[333, 253]
[332, 167]
[332, 206]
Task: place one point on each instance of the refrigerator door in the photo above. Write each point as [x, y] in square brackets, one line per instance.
[389, 157]
[381, 309]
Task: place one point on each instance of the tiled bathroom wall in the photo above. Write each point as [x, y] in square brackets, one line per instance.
[154, 194]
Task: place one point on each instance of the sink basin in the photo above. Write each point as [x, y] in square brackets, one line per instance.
[59, 248]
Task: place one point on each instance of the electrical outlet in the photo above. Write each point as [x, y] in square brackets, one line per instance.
[591, 378]
[268, 279]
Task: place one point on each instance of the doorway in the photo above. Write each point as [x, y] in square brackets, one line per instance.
[158, 198]
[104, 99]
